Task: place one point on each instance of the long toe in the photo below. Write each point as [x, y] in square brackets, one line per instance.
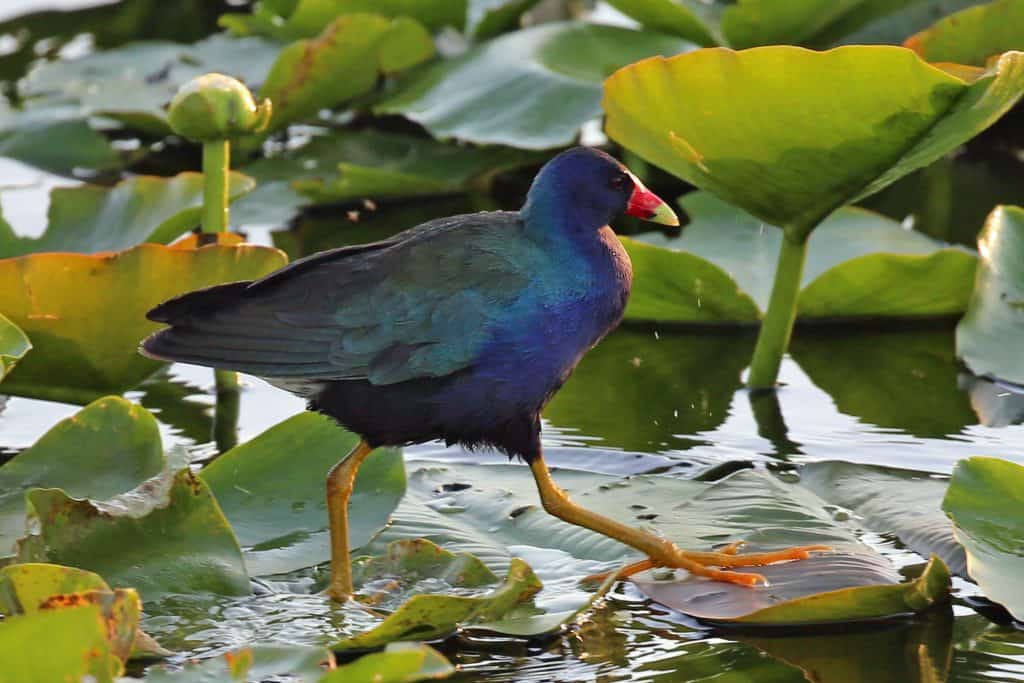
[730, 558]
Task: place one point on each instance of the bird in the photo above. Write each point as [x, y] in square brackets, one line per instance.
[460, 329]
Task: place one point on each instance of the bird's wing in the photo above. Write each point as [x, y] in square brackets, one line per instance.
[417, 305]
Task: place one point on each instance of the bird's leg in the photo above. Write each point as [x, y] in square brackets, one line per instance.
[660, 551]
[340, 480]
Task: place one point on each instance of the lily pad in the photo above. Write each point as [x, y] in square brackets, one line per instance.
[57, 139]
[77, 636]
[107, 448]
[398, 663]
[417, 559]
[345, 165]
[879, 22]
[886, 500]
[13, 344]
[307, 18]
[85, 333]
[302, 664]
[989, 336]
[278, 509]
[428, 617]
[984, 501]
[304, 78]
[29, 588]
[859, 265]
[833, 127]
[89, 219]
[168, 535]
[972, 35]
[134, 83]
[500, 91]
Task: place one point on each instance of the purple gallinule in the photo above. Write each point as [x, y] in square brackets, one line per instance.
[459, 329]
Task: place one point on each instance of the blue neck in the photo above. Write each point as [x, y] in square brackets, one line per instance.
[552, 218]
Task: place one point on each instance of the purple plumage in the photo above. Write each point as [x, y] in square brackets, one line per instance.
[458, 329]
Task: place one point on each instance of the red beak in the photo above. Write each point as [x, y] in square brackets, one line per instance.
[648, 206]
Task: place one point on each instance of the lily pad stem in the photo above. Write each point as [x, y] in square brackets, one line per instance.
[777, 325]
[216, 163]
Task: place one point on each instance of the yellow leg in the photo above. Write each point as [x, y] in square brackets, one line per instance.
[660, 552]
[339, 489]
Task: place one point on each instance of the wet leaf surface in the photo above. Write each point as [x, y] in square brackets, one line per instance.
[271, 489]
[303, 664]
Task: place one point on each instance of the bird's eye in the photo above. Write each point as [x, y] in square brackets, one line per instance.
[618, 182]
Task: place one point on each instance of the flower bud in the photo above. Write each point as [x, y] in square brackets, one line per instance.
[216, 107]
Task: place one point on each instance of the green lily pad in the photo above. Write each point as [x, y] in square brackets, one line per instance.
[833, 126]
[107, 448]
[417, 559]
[13, 344]
[859, 265]
[31, 587]
[428, 617]
[78, 636]
[345, 165]
[984, 501]
[898, 379]
[886, 500]
[299, 663]
[500, 92]
[168, 535]
[133, 84]
[57, 139]
[278, 509]
[880, 22]
[84, 331]
[972, 35]
[398, 663]
[304, 78]
[90, 219]
[307, 18]
[989, 336]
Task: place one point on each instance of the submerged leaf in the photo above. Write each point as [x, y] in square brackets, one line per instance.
[427, 617]
[278, 509]
[89, 218]
[500, 92]
[990, 335]
[13, 345]
[833, 126]
[298, 663]
[398, 663]
[166, 536]
[984, 500]
[109, 447]
[84, 330]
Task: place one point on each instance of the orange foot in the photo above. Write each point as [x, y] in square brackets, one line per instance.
[707, 563]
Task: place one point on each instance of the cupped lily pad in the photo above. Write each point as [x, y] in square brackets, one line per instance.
[832, 127]
[973, 35]
[271, 489]
[984, 500]
[398, 663]
[89, 219]
[429, 617]
[84, 330]
[75, 637]
[990, 336]
[13, 345]
[107, 448]
[168, 535]
[418, 559]
[501, 91]
[304, 78]
[859, 265]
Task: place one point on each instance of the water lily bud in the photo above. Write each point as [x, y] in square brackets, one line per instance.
[216, 107]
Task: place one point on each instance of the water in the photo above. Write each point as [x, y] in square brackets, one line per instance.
[889, 397]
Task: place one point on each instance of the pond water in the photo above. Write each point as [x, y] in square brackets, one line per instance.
[894, 397]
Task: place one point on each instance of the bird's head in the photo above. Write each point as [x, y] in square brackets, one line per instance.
[592, 189]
